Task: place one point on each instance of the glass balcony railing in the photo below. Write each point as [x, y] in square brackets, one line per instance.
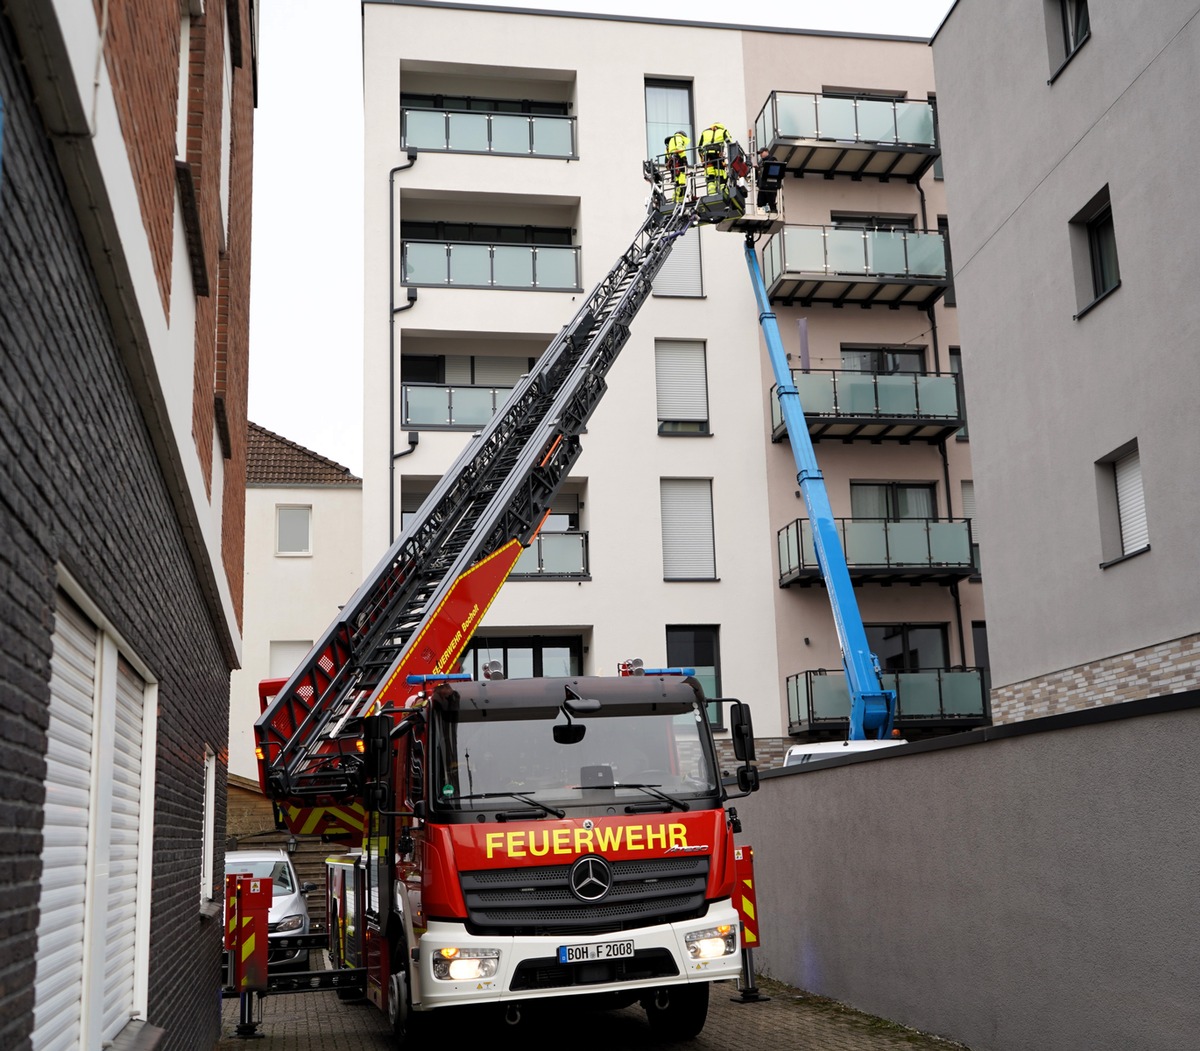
[908, 544]
[470, 265]
[437, 405]
[562, 556]
[923, 695]
[903, 395]
[508, 134]
[888, 122]
[842, 250]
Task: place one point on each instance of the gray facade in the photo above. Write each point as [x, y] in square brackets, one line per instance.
[1057, 147]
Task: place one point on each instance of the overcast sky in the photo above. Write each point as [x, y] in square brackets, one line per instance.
[306, 281]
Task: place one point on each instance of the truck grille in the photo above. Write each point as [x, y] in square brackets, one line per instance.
[537, 901]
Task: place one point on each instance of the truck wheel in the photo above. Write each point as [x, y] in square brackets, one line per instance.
[678, 1011]
[400, 1011]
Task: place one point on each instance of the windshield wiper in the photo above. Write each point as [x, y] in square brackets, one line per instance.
[653, 790]
[554, 811]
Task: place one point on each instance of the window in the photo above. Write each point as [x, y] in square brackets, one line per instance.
[1094, 252]
[1123, 527]
[484, 233]
[285, 657]
[682, 386]
[687, 529]
[525, 657]
[682, 273]
[1068, 28]
[668, 110]
[968, 512]
[908, 647]
[883, 360]
[93, 915]
[208, 826]
[894, 501]
[887, 223]
[293, 526]
[1076, 24]
[698, 646]
[962, 433]
[468, 103]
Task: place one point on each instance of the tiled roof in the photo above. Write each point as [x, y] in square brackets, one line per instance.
[272, 460]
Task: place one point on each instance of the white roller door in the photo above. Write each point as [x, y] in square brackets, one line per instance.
[57, 1022]
[1131, 503]
[681, 274]
[687, 529]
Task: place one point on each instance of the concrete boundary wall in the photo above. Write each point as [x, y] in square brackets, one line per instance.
[1033, 886]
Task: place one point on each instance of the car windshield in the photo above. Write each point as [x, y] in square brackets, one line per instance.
[279, 872]
[513, 752]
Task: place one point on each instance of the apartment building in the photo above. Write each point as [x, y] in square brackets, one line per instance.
[502, 184]
[125, 181]
[1073, 239]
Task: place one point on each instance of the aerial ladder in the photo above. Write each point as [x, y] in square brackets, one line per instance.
[416, 612]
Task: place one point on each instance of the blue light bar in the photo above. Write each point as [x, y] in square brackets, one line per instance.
[418, 680]
[669, 671]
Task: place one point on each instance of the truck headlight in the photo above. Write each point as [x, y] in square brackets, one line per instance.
[290, 923]
[712, 942]
[465, 965]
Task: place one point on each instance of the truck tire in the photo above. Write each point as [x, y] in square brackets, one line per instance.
[678, 1011]
[405, 1021]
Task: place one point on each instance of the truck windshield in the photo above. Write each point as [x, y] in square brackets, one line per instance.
[624, 749]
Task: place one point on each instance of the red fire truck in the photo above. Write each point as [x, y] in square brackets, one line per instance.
[512, 841]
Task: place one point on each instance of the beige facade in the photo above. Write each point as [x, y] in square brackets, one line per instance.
[1073, 236]
[434, 71]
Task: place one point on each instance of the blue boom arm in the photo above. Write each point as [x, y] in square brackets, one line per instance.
[872, 708]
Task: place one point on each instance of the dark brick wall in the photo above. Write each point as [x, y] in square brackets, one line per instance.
[80, 486]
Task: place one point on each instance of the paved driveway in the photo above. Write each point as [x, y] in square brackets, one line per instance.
[787, 1021]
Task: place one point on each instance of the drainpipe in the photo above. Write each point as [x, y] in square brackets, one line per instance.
[393, 310]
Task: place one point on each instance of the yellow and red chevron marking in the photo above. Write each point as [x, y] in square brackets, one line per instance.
[348, 820]
[744, 900]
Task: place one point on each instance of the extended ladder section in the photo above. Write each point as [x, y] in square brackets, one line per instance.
[417, 610]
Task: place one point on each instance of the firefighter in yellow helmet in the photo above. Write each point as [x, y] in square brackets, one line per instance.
[677, 158]
[713, 140]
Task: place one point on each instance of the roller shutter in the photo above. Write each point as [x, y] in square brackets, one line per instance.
[681, 273]
[1131, 503]
[687, 529]
[681, 382]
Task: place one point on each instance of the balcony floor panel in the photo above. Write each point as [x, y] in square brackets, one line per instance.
[793, 287]
[886, 575]
[829, 158]
[874, 429]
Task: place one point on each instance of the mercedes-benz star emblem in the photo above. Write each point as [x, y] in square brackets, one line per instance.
[591, 878]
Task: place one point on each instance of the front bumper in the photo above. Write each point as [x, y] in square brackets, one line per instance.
[528, 967]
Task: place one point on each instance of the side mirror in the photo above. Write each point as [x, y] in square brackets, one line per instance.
[741, 731]
[747, 778]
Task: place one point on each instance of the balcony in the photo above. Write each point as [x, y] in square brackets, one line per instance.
[502, 134]
[451, 407]
[476, 265]
[554, 556]
[878, 551]
[861, 406]
[859, 137]
[845, 265]
[926, 699]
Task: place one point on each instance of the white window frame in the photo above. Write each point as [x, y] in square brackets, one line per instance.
[688, 532]
[294, 554]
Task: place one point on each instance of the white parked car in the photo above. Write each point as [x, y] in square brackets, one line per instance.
[289, 909]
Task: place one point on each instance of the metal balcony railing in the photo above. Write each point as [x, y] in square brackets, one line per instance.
[464, 264]
[831, 135]
[450, 405]
[882, 551]
[821, 697]
[507, 134]
[845, 264]
[902, 406]
[554, 556]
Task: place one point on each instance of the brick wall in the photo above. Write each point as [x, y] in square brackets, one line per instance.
[81, 487]
[1161, 670]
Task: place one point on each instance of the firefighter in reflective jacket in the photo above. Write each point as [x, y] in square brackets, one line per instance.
[712, 153]
[677, 151]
